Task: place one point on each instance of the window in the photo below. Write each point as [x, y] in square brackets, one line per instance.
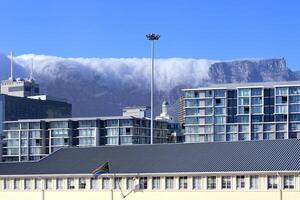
[105, 183]
[244, 101]
[244, 110]
[27, 184]
[240, 182]
[208, 93]
[117, 183]
[219, 93]
[226, 182]
[70, 184]
[211, 182]
[82, 183]
[208, 111]
[253, 182]
[281, 109]
[6, 184]
[156, 183]
[129, 183]
[94, 183]
[220, 120]
[220, 111]
[59, 184]
[219, 129]
[288, 182]
[48, 184]
[16, 184]
[294, 90]
[256, 91]
[294, 99]
[219, 102]
[244, 92]
[38, 184]
[183, 182]
[169, 182]
[281, 91]
[256, 109]
[208, 102]
[243, 128]
[272, 182]
[143, 183]
[196, 183]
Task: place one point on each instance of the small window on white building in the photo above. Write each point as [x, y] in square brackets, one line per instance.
[118, 183]
[59, 184]
[48, 184]
[196, 183]
[169, 182]
[27, 184]
[240, 182]
[82, 183]
[272, 182]
[17, 184]
[143, 183]
[70, 184]
[183, 182]
[288, 182]
[156, 183]
[94, 184]
[129, 183]
[38, 184]
[7, 184]
[105, 183]
[226, 182]
[211, 182]
[254, 182]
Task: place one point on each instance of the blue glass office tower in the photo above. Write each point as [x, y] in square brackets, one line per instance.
[249, 111]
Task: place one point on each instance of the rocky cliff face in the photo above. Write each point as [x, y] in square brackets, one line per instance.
[98, 87]
[251, 71]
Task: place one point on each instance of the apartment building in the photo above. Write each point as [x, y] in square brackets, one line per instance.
[33, 139]
[246, 111]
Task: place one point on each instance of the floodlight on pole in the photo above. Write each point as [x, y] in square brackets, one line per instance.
[152, 37]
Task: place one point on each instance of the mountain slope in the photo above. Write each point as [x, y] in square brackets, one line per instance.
[104, 86]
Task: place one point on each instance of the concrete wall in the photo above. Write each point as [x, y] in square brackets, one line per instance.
[149, 195]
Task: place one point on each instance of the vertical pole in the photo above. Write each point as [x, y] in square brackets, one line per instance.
[152, 91]
[11, 65]
[43, 194]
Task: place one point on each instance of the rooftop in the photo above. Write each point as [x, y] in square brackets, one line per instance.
[247, 85]
[247, 156]
[77, 119]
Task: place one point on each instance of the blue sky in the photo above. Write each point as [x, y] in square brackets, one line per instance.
[219, 29]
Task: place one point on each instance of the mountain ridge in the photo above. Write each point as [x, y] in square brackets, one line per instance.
[99, 87]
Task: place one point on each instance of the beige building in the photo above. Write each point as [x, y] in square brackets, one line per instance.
[230, 170]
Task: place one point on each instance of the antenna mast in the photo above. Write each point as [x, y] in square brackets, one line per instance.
[11, 66]
[31, 70]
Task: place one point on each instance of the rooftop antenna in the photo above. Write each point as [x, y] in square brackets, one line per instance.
[11, 66]
[31, 70]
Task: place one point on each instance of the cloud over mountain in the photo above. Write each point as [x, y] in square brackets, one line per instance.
[103, 86]
[169, 72]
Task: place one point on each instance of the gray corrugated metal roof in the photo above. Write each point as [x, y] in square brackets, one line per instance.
[272, 155]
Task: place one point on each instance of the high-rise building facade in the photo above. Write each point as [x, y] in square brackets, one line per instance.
[19, 87]
[32, 139]
[180, 110]
[250, 111]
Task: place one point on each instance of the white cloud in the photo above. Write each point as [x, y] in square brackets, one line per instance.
[169, 72]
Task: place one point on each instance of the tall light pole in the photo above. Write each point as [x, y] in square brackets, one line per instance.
[152, 37]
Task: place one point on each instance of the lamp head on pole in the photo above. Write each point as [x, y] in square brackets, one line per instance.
[152, 36]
